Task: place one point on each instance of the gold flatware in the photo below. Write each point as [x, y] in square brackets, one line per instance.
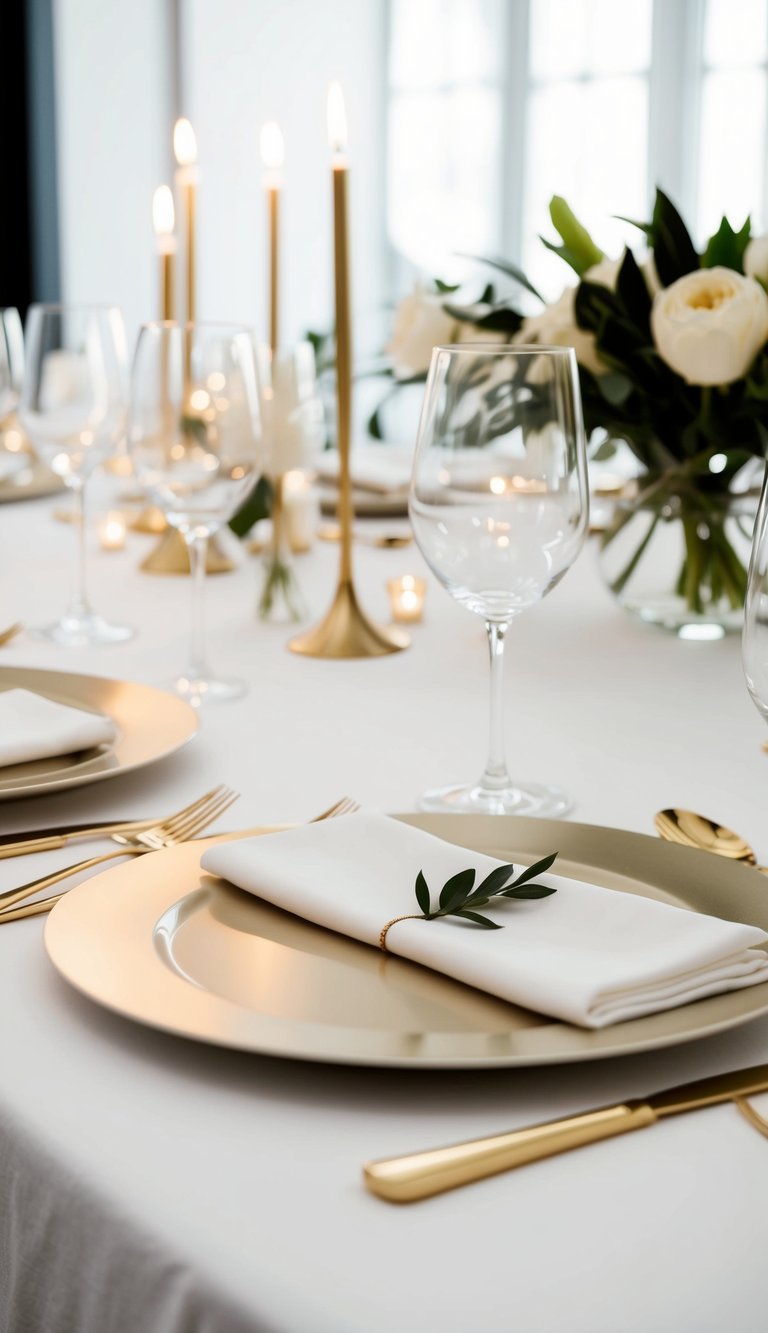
[179, 828]
[48, 840]
[331, 532]
[423, 1174]
[692, 830]
[10, 633]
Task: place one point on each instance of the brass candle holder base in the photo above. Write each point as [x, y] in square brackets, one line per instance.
[149, 519]
[171, 556]
[346, 631]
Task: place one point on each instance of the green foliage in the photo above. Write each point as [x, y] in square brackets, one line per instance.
[577, 249]
[459, 897]
[727, 247]
[256, 506]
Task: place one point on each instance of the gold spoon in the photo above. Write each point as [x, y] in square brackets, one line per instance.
[706, 835]
[10, 633]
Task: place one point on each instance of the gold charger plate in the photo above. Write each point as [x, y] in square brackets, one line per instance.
[30, 481]
[158, 941]
[149, 725]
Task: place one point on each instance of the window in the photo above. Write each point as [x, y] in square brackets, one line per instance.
[496, 105]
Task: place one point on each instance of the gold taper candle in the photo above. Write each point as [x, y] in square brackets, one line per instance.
[273, 156]
[337, 134]
[165, 244]
[346, 631]
[186, 178]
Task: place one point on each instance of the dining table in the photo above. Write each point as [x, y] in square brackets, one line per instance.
[157, 1184]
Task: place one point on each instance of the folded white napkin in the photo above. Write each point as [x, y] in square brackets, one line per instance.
[33, 727]
[590, 955]
[382, 469]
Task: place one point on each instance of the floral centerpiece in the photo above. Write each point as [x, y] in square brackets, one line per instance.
[673, 362]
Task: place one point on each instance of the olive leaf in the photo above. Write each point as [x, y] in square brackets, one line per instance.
[458, 897]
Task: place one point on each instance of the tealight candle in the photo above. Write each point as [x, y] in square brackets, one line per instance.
[111, 531]
[302, 511]
[406, 598]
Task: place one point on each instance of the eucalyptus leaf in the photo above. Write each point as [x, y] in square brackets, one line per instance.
[539, 868]
[456, 889]
[484, 921]
[529, 891]
[422, 894]
[457, 898]
[496, 880]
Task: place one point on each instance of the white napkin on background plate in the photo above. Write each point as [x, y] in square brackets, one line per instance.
[589, 955]
[33, 727]
[382, 469]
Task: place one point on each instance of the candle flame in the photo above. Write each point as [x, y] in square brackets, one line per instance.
[163, 218]
[184, 143]
[272, 145]
[337, 118]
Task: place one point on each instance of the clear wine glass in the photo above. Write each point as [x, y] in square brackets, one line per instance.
[11, 361]
[499, 506]
[755, 632]
[73, 405]
[195, 440]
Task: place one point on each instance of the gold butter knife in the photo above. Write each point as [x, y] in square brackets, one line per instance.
[422, 1174]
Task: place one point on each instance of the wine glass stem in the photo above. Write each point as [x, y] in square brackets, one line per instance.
[79, 606]
[496, 778]
[197, 545]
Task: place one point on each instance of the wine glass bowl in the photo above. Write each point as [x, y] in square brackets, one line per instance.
[195, 442]
[73, 406]
[499, 509]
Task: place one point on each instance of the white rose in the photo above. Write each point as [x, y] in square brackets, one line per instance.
[421, 323]
[556, 327]
[756, 258]
[710, 325]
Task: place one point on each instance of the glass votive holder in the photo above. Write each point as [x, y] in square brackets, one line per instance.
[111, 530]
[302, 510]
[406, 598]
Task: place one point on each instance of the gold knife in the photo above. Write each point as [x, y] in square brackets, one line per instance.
[422, 1174]
[48, 840]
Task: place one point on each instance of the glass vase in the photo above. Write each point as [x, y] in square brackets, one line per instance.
[680, 561]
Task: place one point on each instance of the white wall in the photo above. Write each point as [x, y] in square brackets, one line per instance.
[242, 62]
[113, 146]
[247, 61]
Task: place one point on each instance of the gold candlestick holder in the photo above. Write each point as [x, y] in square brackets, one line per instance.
[346, 630]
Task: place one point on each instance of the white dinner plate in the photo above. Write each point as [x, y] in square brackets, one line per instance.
[149, 724]
[160, 942]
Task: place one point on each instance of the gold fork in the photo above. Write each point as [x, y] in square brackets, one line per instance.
[52, 840]
[180, 828]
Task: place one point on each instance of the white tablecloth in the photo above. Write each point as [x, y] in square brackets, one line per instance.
[150, 1184]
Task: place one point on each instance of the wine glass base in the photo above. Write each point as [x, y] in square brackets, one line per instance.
[530, 799]
[201, 691]
[82, 631]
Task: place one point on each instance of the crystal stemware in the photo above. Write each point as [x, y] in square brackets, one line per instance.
[73, 404]
[195, 440]
[499, 508]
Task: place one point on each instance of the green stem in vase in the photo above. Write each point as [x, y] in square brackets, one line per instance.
[619, 583]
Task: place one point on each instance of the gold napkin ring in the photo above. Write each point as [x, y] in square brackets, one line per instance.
[409, 916]
[757, 1121]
